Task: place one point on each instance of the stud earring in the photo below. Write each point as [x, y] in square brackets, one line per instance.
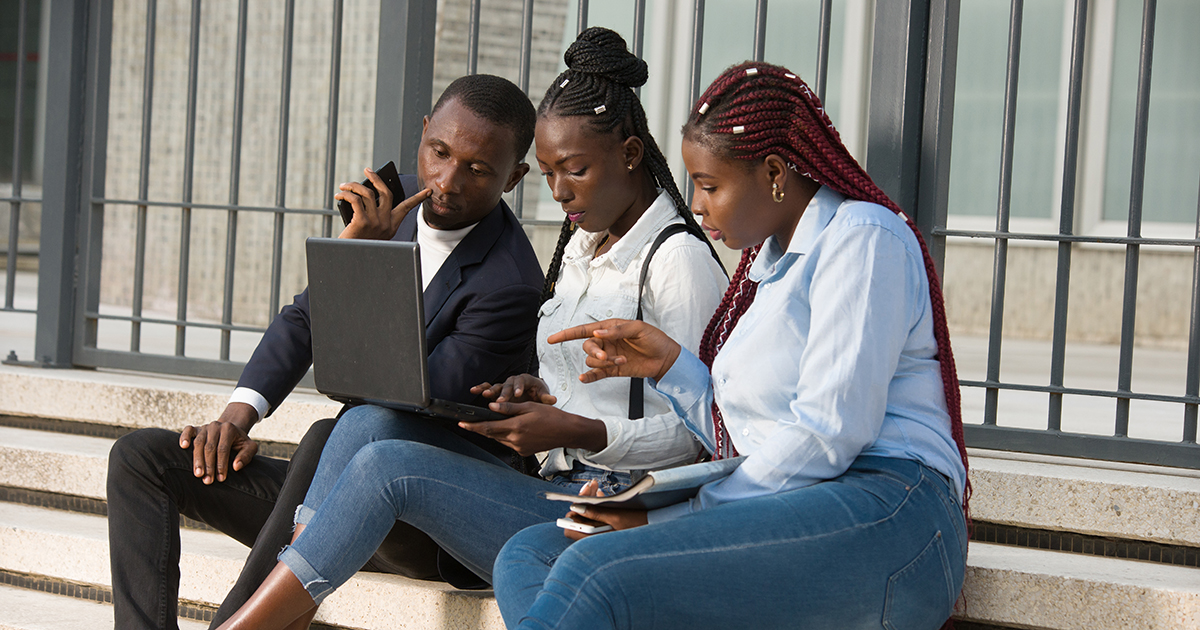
[629, 166]
[776, 194]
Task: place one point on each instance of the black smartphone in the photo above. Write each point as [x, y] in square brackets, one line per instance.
[390, 177]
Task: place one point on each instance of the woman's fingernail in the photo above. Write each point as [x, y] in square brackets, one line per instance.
[578, 509]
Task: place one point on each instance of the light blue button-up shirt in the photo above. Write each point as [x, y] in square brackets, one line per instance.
[834, 359]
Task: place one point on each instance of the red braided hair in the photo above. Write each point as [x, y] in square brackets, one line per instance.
[754, 110]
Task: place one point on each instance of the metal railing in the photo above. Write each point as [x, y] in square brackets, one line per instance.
[16, 200]
[1053, 440]
[913, 63]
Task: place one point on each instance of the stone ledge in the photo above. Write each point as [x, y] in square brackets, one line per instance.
[75, 547]
[74, 465]
[141, 400]
[23, 609]
[1031, 588]
[1129, 501]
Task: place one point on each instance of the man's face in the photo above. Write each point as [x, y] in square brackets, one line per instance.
[467, 162]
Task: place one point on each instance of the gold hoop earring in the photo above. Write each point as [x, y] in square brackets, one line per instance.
[776, 194]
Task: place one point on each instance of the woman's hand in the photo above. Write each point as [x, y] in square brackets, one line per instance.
[374, 220]
[519, 388]
[596, 515]
[622, 347]
[536, 427]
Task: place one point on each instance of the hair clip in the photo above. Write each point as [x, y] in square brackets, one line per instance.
[600, 110]
[738, 129]
[564, 83]
[703, 108]
[751, 71]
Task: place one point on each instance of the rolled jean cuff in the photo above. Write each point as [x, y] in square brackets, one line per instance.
[303, 515]
[318, 587]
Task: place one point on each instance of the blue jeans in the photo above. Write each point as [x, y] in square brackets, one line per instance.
[882, 546]
[381, 465]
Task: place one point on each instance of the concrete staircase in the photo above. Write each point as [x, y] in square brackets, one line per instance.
[56, 428]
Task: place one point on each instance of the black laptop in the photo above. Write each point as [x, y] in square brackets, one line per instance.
[368, 327]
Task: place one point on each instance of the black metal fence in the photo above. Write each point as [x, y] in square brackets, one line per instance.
[911, 90]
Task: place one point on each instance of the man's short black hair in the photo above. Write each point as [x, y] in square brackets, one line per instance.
[497, 100]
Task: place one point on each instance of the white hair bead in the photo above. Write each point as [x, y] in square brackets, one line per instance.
[564, 83]
[739, 129]
[600, 110]
[789, 75]
[703, 108]
[751, 71]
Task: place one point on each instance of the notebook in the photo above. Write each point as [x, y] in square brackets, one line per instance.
[368, 327]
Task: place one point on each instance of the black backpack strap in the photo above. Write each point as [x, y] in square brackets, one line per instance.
[637, 385]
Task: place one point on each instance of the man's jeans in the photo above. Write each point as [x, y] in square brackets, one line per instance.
[882, 546]
[381, 466]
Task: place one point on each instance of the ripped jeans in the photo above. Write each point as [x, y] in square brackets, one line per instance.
[381, 465]
[882, 546]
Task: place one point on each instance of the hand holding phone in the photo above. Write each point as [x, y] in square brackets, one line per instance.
[390, 178]
[583, 528]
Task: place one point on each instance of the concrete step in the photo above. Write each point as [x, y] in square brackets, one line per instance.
[1031, 588]
[74, 465]
[74, 547]
[24, 609]
[1128, 501]
[139, 400]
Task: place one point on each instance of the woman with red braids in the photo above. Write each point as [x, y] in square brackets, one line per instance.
[831, 372]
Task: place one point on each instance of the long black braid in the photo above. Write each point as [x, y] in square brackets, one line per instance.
[598, 85]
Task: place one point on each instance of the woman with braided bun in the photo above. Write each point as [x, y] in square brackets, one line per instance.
[604, 168]
[829, 370]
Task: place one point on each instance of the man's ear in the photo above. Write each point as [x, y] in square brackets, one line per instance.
[515, 177]
[424, 124]
[634, 150]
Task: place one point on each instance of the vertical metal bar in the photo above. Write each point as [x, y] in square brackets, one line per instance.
[139, 260]
[937, 125]
[235, 179]
[189, 161]
[404, 81]
[1066, 221]
[335, 79]
[897, 99]
[694, 87]
[473, 38]
[14, 213]
[523, 83]
[65, 185]
[1136, 186]
[93, 163]
[760, 29]
[285, 105]
[639, 33]
[823, 48]
[1192, 386]
[581, 17]
[1000, 264]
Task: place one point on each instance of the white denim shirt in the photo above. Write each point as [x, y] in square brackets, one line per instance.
[835, 358]
[683, 287]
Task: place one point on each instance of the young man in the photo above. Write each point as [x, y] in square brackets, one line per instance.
[482, 285]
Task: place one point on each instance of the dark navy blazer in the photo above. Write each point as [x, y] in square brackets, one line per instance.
[480, 315]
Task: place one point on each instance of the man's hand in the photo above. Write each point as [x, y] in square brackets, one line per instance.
[519, 388]
[536, 427]
[213, 443]
[373, 220]
[622, 347]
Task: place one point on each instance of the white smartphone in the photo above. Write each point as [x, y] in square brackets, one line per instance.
[571, 524]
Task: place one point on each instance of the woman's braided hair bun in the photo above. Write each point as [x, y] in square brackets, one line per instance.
[600, 51]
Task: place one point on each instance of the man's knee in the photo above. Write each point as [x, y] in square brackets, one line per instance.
[145, 451]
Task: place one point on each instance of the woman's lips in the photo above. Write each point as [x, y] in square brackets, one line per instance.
[574, 217]
[713, 233]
